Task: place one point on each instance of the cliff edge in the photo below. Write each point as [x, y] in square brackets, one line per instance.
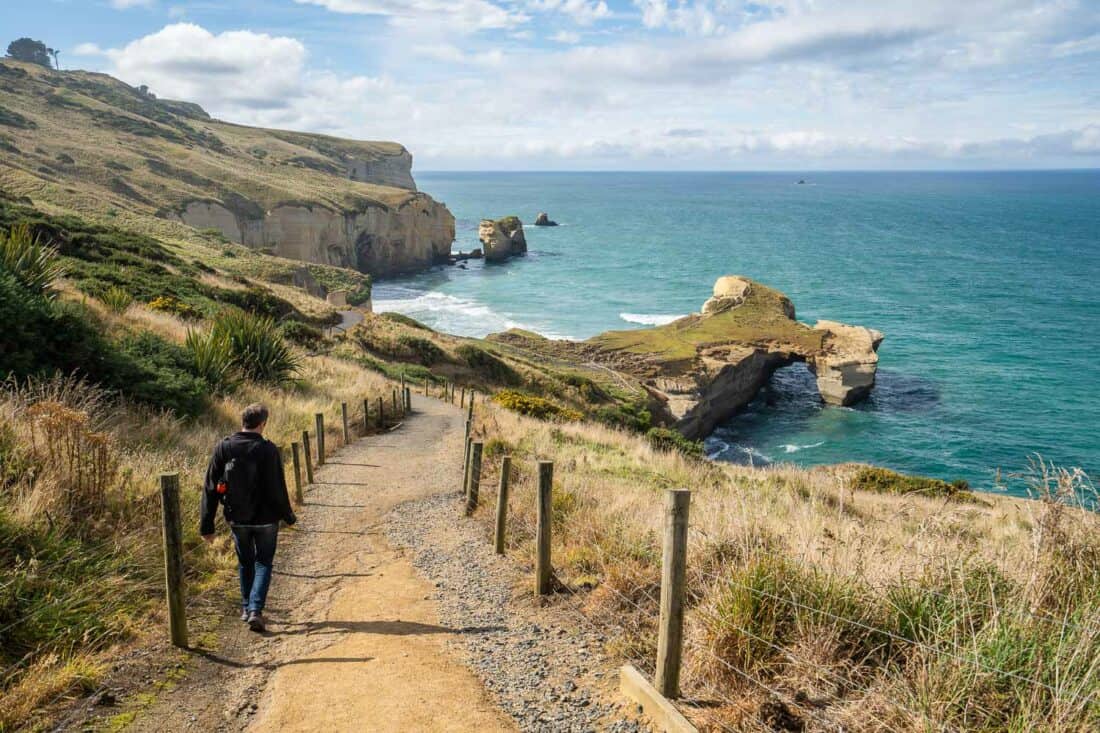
[91, 144]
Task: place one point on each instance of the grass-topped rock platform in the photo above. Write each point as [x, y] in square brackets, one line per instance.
[703, 368]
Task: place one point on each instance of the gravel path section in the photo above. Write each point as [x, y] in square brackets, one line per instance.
[542, 665]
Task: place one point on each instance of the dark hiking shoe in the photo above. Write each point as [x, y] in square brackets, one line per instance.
[256, 621]
[244, 615]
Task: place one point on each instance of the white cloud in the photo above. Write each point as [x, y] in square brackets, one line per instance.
[694, 18]
[88, 49]
[452, 54]
[874, 85]
[126, 4]
[465, 15]
[582, 12]
[568, 37]
[233, 69]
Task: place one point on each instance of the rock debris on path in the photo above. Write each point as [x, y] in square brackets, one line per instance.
[544, 667]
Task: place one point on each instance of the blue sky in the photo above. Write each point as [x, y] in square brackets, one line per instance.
[621, 84]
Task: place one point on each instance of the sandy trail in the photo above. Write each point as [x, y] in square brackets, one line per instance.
[354, 639]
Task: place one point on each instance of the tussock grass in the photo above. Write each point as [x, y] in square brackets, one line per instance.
[814, 603]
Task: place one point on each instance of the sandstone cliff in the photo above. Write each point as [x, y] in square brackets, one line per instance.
[91, 144]
[503, 238]
[380, 240]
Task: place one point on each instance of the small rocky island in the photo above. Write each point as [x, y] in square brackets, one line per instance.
[502, 238]
[698, 371]
[544, 220]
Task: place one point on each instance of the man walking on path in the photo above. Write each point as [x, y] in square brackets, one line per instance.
[246, 477]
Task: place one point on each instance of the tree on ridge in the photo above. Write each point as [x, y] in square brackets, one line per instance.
[35, 52]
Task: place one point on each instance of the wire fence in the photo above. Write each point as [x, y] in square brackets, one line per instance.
[393, 402]
[704, 698]
[872, 689]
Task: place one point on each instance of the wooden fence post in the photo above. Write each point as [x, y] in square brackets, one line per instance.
[465, 468]
[309, 457]
[344, 417]
[381, 413]
[466, 464]
[474, 486]
[320, 419]
[470, 410]
[173, 557]
[542, 533]
[395, 402]
[408, 399]
[462, 398]
[673, 579]
[502, 504]
[366, 416]
[297, 473]
[425, 386]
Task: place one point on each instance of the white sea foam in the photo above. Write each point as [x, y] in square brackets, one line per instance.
[447, 313]
[792, 448]
[649, 319]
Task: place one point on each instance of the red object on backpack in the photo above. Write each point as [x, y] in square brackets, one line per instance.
[222, 488]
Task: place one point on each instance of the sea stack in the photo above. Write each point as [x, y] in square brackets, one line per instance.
[544, 220]
[503, 238]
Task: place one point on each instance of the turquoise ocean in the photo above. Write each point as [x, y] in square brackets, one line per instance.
[987, 286]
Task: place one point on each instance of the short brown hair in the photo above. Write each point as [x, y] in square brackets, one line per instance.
[254, 416]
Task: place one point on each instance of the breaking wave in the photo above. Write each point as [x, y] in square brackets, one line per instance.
[649, 319]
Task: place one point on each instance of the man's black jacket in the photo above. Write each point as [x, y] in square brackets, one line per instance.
[274, 503]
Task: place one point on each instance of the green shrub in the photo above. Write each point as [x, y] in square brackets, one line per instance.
[116, 299]
[537, 407]
[588, 389]
[631, 416]
[303, 334]
[31, 262]
[885, 481]
[259, 350]
[498, 447]
[258, 301]
[45, 337]
[670, 440]
[404, 320]
[211, 355]
[487, 365]
[176, 307]
[159, 373]
[423, 350]
[360, 295]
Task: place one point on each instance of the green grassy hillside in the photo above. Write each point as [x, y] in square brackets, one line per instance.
[85, 143]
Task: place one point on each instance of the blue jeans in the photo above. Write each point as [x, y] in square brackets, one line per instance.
[255, 556]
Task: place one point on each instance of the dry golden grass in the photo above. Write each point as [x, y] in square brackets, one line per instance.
[115, 511]
[965, 605]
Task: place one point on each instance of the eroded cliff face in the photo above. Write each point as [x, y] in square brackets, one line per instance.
[700, 370]
[381, 240]
[389, 170]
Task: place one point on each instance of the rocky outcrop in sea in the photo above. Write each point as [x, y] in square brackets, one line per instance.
[502, 238]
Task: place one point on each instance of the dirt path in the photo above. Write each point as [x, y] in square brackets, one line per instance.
[354, 639]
